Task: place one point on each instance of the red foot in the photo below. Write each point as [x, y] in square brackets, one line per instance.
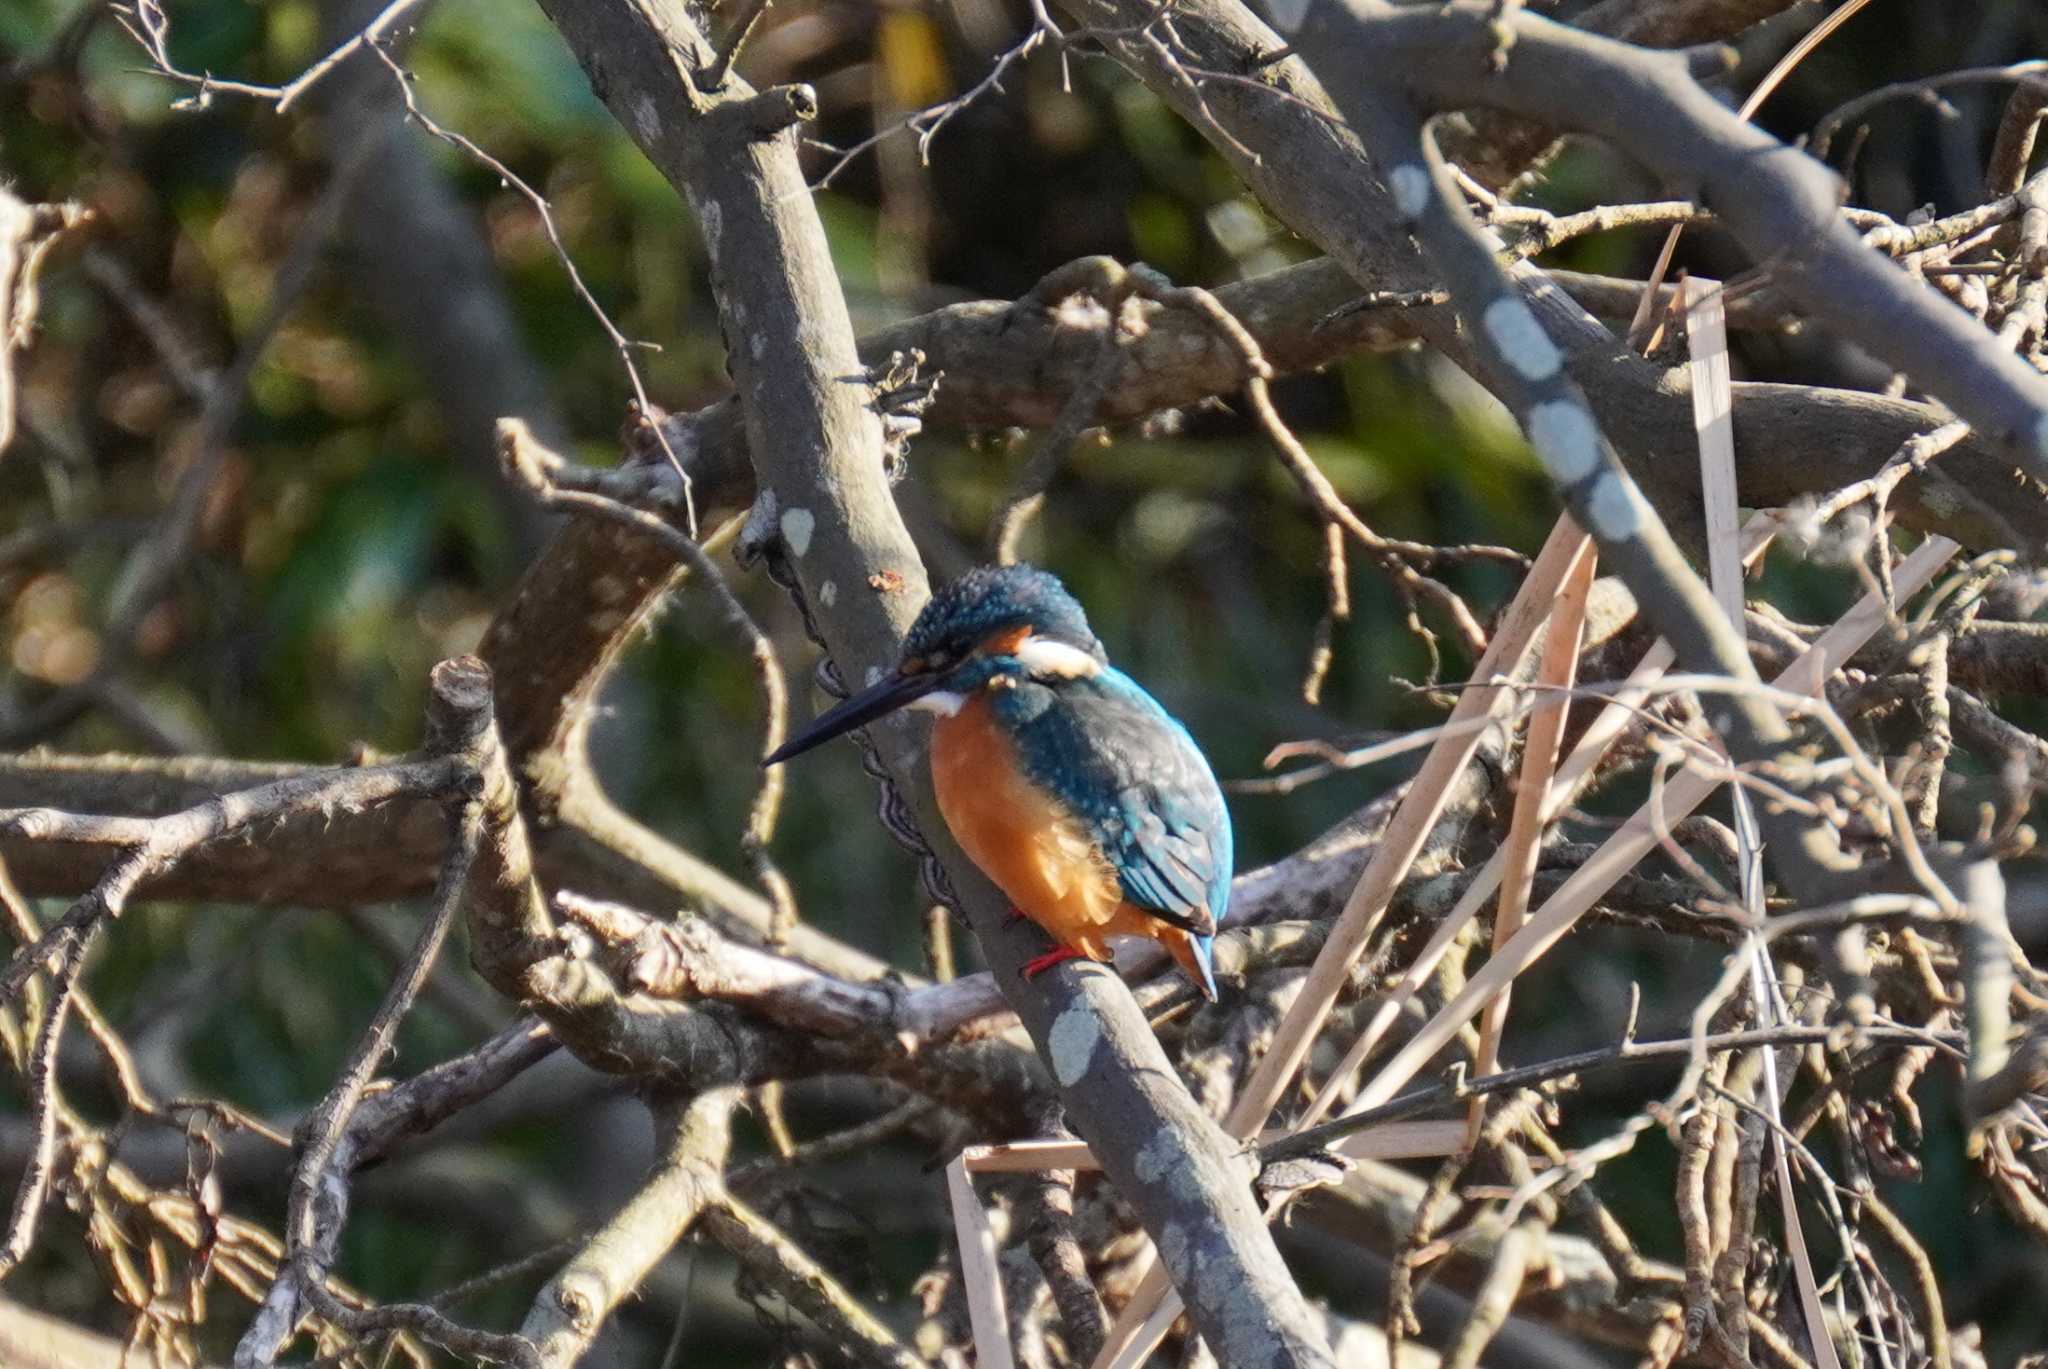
[1038, 965]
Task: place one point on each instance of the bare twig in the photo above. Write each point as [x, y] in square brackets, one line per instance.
[773, 1258]
[2013, 149]
[2027, 75]
[621, 344]
[41, 1077]
[1490, 1309]
[737, 30]
[1312, 1139]
[545, 475]
[149, 25]
[694, 1139]
[1027, 494]
[27, 232]
[319, 1191]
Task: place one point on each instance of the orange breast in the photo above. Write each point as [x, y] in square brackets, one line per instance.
[1037, 853]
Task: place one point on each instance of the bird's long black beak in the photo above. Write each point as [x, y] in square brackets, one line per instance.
[882, 699]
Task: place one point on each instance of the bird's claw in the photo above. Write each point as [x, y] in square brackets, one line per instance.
[1038, 965]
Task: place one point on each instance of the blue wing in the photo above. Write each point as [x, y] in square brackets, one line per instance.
[1134, 776]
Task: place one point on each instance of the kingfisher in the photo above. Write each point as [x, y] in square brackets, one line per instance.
[1081, 798]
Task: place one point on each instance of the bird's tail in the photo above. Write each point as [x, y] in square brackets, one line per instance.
[1194, 955]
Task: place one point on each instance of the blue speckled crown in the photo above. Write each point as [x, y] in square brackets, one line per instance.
[990, 599]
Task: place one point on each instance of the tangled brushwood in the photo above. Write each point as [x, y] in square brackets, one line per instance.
[1666, 996]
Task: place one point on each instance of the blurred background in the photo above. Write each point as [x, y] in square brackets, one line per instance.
[357, 531]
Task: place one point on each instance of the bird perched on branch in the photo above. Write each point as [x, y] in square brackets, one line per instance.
[1074, 791]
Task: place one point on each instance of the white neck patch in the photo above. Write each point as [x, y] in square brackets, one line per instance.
[1044, 656]
[943, 702]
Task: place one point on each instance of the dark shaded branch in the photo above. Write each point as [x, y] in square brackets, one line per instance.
[552, 647]
[442, 297]
[776, 1261]
[146, 848]
[1047, 1210]
[336, 858]
[388, 1117]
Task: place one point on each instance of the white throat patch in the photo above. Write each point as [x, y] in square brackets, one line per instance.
[1044, 656]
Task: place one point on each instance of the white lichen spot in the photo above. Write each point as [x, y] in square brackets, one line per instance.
[1158, 1157]
[1080, 313]
[1410, 184]
[1565, 437]
[1612, 507]
[797, 526]
[873, 677]
[713, 220]
[828, 593]
[758, 345]
[646, 118]
[1521, 339]
[1071, 1044]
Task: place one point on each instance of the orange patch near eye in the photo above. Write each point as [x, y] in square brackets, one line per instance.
[1005, 643]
